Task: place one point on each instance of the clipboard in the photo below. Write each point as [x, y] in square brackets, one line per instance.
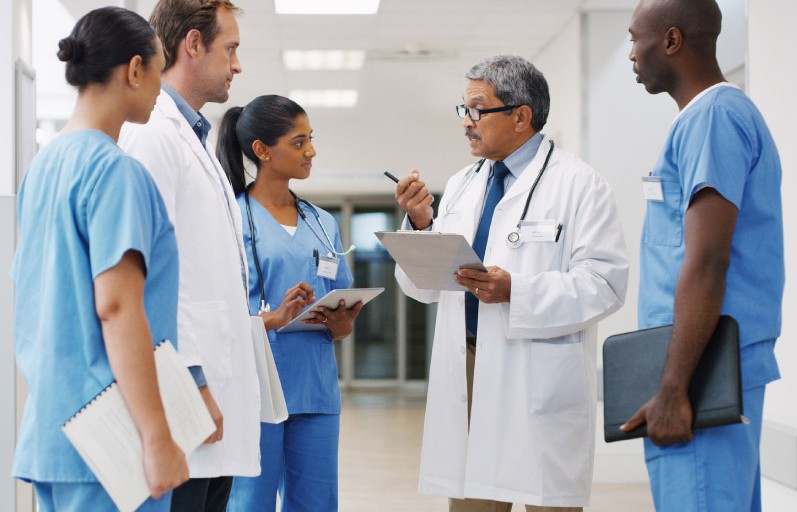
[430, 259]
[632, 366]
[351, 295]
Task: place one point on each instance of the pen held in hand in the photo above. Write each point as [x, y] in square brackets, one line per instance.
[391, 176]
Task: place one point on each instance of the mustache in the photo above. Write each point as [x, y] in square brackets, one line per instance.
[470, 134]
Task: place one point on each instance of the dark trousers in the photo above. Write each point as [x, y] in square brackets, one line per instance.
[202, 495]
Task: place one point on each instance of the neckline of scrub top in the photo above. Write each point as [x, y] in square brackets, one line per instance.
[703, 93]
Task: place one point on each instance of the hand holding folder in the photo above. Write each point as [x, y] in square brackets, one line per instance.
[633, 364]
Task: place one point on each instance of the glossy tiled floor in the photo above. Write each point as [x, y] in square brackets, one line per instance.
[379, 456]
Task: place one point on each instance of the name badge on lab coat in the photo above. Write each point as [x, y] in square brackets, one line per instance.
[538, 230]
[328, 266]
[651, 188]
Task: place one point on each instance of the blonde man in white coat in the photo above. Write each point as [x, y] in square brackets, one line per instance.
[510, 413]
[200, 39]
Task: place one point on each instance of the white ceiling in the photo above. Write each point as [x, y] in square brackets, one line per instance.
[396, 95]
[460, 31]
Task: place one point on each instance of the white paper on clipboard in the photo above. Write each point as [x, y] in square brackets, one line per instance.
[430, 259]
[331, 301]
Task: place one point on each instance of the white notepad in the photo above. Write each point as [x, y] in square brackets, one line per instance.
[104, 434]
[350, 295]
[430, 259]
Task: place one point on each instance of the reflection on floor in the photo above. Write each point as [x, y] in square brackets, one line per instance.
[380, 451]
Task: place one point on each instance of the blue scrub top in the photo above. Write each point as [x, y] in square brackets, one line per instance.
[305, 359]
[83, 203]
[720, 141]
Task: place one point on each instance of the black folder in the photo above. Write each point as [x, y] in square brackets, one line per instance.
[632, 366]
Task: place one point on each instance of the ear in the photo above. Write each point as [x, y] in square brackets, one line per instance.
[261, 151]
[192, 43]
[135, 70]
[523, 117]
[673, 41]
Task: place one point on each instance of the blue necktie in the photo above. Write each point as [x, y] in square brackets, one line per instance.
[494, 195]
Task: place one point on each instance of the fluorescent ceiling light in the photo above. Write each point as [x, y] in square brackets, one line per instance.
[333, 98]
[326, 6]
[330, 60]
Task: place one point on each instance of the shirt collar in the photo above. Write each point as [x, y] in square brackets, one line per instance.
[196, 120]
[522, 156]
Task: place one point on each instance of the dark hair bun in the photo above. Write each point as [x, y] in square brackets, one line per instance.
[70, 50]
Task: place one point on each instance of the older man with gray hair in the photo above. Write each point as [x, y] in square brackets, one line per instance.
[517, 423]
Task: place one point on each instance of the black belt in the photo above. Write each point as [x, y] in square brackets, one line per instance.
[470, 340]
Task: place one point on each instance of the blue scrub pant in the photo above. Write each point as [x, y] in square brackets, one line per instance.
[718, 470]
[298, 459]
[83, 496]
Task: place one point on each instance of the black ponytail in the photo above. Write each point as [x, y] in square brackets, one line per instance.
[265, 118]
[229, 151]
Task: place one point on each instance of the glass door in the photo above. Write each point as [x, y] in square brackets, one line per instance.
[392, 338]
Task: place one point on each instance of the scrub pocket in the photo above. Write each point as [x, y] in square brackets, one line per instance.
[664, 220]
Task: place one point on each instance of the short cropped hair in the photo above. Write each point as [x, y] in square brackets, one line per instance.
[173, 19]
[516, 81]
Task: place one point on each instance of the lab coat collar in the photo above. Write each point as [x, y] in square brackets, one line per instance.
[523, 184]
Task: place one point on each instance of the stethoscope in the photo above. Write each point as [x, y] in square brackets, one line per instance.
[328, 244]
[513, 239]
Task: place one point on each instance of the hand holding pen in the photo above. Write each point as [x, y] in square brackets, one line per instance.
[294, 300]
[414, 198]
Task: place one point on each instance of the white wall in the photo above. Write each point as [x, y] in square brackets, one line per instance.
[560, 62]
[624, 131]
[771, 78]
[15, 39]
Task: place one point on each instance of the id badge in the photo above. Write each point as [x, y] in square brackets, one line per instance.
[328, 267]
[538, 230]
[651, 188]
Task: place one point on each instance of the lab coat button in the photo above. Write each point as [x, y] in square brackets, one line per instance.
[464, 399]
[462, 350]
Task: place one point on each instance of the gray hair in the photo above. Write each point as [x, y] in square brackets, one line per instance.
[516, 82]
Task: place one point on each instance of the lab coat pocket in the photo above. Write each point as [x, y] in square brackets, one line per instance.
[664, 220]
[211, 323]
[558, 377]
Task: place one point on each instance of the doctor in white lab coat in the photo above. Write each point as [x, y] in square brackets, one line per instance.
[525, 432]
[213, 328]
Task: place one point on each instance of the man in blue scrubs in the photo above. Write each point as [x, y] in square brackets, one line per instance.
[712, 244]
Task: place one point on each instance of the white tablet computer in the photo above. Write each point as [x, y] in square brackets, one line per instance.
[351, 295]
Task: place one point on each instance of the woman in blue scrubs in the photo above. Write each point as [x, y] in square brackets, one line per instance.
[95, 270]
[295, 249]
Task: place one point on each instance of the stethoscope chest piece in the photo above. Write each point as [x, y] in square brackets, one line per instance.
[513, 240]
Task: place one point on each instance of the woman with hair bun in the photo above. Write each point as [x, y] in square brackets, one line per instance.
[295, 248]
[95, 270]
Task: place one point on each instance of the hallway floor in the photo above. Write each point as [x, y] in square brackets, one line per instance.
[380, 454]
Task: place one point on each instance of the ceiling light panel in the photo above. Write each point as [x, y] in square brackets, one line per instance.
[326, 6]
[329, 98]
[326, 60]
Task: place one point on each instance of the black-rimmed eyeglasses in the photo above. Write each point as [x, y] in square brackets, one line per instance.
[476, 113]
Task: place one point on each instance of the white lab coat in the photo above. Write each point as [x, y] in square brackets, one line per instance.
[213, 311]
[532, 430]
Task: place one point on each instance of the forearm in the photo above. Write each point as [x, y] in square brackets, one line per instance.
[119, 302]
[699, 295]
[130, 353]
